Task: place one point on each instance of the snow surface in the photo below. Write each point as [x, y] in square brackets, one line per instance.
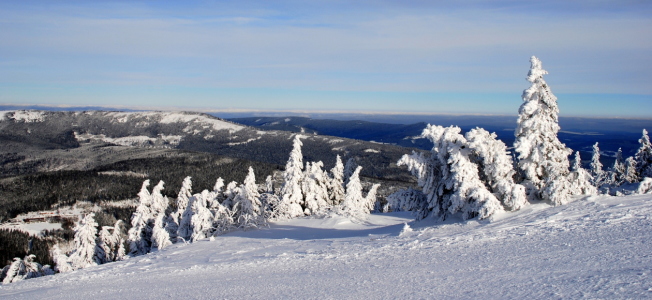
[177, 117]
[139, 140]
[26, 116]
[31, 228]
[597, 247]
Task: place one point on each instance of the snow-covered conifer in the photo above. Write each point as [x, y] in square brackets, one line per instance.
[160, 236]
[497, 167]
[336, 185]
[86, 249]
[429, 173]
[581, 179]
[269, 185]
[248, 201]
[349, 168]
[543, 159]
[139, 236]
[643, 157]
[596, 167]
[62, 262]
[184, 210]
[33, 269]
[230, 192]
[370, 199]
[159, 203]
[617, 172]
[450, 180]
[202, 218]
[292, 198]
[630, 170]
[353, 198]
[315, 188]
[16, 271]
[406, 200]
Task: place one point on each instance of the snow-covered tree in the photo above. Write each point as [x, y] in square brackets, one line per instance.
[62, 262]
[160, 236]
[248, 201]
[292, 198]
[581, 179]
[630, 175]
[349, 168]
[450, 180]
[86, 252]
[643, 157]
[230, 192]
[617, 172]
[159, 203]
[26, 268]
[336, 185]
[202, 218]
[140, 234]
[406, 200]
[543, 159]
[269, 185]
[354, 203]
[214, 197]
[16, 271]
[497, 168]
[353, 199]
[596, 167]
[185, 211]
[315, 188]
[429, 173]
[223, 220]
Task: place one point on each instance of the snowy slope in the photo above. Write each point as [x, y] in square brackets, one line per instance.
[597, 247]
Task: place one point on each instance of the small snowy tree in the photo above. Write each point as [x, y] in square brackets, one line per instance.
[336, 185]
[86, 249]
[643, 157]
[248, 201]
[184, 210]
[353, 199]
[349, 168]
[315, 188]
[16, 271]
[617, 172]
[139, 236]
[202, 218]
[160, 236]
[269, 185]
[596, 167]
[581, 179]
[62, 262]
[630, 170]
[292, 197]
[450, 180]
[543, 159]
[496, 167]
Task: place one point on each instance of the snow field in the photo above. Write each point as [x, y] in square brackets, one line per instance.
[595, 247]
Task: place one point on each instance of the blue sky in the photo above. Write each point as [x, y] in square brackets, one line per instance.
[370, 56]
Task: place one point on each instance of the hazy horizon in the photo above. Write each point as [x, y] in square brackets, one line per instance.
[417, 56]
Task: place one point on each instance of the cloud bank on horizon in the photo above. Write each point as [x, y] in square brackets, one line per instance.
[413, 56]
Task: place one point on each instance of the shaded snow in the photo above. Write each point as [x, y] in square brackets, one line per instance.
[597, 247]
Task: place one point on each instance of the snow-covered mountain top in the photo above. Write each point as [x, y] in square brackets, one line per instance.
[146, 118]
[596, 247]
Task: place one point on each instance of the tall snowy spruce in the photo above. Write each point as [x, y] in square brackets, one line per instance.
[292, 197]
[315, 188]
[202, 219]
[354, 203]
[543, 159]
